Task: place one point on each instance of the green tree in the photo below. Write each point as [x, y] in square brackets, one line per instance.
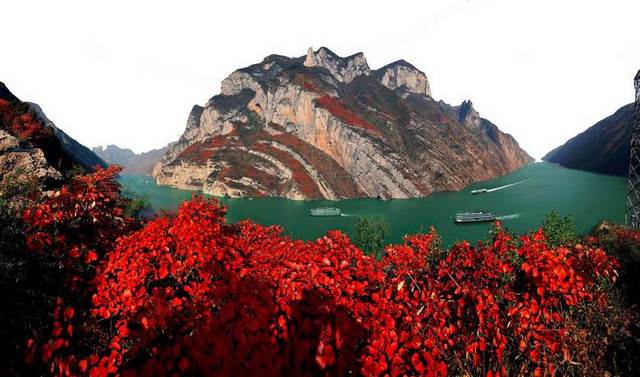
[371, 233]
[138, 206]
[560, 231]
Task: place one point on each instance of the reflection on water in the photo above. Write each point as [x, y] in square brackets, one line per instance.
[520, 200]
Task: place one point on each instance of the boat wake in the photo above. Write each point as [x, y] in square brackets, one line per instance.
[508, 217]
[509, 185]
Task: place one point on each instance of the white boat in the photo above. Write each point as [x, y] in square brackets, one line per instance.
[325, 211]
[473, 217]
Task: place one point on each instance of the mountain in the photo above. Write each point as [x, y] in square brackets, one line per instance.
[603, 148]
[114, 155]
[30, 143]
[132, 163]
[325, 126]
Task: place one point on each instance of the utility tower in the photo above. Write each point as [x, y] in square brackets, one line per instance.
[632, 213]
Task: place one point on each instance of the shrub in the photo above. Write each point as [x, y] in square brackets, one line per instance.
[138, 206]
[24, 281]
[624, 245]
[560, 231]
[72, 228]
[190, 294]
[370, 235]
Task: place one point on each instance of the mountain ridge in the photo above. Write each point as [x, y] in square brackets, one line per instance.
[323, 126]
[602, 148]
[31, 143]
[131, 162]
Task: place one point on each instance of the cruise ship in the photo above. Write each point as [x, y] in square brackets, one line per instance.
[325, 211]
[473, 217]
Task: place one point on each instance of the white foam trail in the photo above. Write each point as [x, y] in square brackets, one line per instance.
[509, 185]
[508, 217]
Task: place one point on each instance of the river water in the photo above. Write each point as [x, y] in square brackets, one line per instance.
[520, 200]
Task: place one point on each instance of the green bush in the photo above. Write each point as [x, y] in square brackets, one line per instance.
[371, 233]
[560, 231]
[138, 206]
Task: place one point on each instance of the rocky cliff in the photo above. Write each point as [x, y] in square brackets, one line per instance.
[602, 148]
[31, 144]
[323, 126]
[132, 163]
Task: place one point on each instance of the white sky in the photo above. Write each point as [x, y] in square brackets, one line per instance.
[128, 72]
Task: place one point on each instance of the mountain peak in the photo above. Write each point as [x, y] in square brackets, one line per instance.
[468, 115]
[402, 77]
[6, 94]
[344, 69]
[403, 63]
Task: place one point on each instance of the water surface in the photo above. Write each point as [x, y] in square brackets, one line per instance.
[520, 200]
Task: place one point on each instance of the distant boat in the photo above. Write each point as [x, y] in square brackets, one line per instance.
[473, 217]
[325, 211]
[478, 191]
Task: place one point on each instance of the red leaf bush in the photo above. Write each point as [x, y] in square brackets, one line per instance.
[74, 227]
[191, 294]
[337, 108]
[20, 122]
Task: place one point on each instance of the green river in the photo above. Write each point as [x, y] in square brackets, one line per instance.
[520, 200]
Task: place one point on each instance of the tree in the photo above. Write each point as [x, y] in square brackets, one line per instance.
[560, 231]
[370, 235]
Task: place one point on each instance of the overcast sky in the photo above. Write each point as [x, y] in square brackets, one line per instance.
[128, 72]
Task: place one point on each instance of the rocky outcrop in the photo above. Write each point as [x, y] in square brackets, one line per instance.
[322, 126]
[404, 78]
[343, 69]
[20, 157]
[602, 148]
[31, 144]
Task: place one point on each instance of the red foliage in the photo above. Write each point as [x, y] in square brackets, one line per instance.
[76, 225]
[202, 152]
[338, 109]
[329, 169]
[191, 294]
[20, 123]
[81, 220]
[300, 175]
[307, 83]
[554, 280]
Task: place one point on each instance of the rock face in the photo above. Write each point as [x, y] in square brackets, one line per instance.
[31, 144]
[132, 163]
[602, 148]
[323, 126]
[404, 78]
[17, 156]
